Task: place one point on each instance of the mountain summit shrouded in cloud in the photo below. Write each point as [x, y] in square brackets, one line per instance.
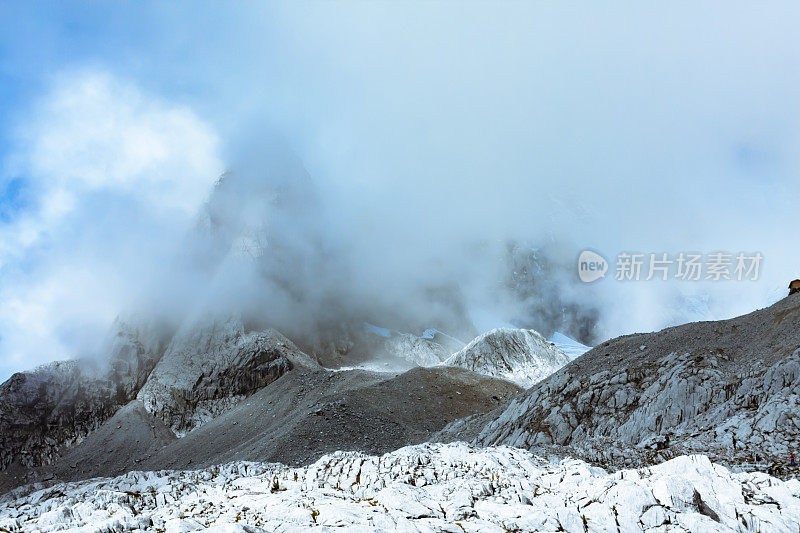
[386, 165]
[401, 266]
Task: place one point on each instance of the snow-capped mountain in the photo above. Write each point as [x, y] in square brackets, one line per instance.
[519, 355]
[217, 394]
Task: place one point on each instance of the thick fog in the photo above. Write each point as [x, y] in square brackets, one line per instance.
[314, 166]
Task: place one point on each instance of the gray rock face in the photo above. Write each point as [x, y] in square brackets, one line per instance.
[210, 365]
[728, 388]
[519, 355]
[206, 369]
[58, 404]
[132, 354]
[117, 446]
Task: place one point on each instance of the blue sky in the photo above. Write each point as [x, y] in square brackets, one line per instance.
[612, 125]
[36, 40]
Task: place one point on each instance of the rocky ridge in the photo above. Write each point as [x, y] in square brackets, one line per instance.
[727, 388]
[58, 404]
[210, 365]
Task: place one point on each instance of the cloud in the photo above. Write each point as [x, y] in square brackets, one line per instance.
[435, 135]
[112, 177]
[632, 129]
[93, 134]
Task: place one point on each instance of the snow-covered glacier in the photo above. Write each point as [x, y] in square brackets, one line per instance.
[427, 487]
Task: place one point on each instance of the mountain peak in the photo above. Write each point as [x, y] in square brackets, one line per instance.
[520, 355]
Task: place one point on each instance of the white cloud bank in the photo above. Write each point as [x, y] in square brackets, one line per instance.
[112, 175]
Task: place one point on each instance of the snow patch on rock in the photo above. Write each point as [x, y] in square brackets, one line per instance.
[568, 345]
[397, 350]
[418, 351]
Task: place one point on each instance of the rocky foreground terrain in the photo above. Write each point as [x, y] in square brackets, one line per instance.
[429, 487]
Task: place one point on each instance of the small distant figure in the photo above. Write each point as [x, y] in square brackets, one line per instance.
[794, 286]
[792, 462]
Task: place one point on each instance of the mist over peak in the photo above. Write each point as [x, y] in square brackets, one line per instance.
[438, 170]
[262, 248]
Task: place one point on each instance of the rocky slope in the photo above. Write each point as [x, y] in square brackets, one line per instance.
[58, 404]
[295, 419]
[117, 446]
[727, 388]
[210, 365]
[519, 355]
[431, 487]
[304, 415]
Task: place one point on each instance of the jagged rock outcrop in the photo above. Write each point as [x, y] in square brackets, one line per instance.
[58, 404]
[117, 446]
[519, 355]
[131, 352]
[430, 487]
[210, 365]
[729, 388]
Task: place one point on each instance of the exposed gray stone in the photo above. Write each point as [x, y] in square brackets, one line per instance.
[210, 365]
[728, 388]
[58, 404]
